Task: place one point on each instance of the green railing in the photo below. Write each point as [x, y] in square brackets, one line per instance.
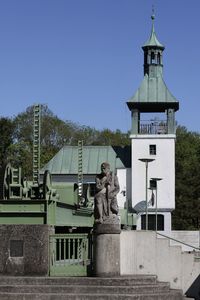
[69, 254]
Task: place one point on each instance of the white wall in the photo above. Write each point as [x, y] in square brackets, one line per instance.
[141, 252]
[162, 167]
[121, 196]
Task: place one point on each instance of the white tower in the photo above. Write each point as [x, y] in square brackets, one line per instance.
[153, 138]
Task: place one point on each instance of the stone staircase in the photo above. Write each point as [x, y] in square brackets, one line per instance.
[140, 287]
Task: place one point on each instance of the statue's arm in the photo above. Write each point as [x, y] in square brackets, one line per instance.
[100, 184]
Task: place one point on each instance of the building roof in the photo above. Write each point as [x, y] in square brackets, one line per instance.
[153, 41]
[153, 90]
[66, 160]
[153, 94]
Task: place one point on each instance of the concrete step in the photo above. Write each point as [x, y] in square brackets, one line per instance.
[137, 287]
[84, 289]
[105, 281]
[172, 295]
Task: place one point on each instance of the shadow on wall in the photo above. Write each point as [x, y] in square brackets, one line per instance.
[194, 290]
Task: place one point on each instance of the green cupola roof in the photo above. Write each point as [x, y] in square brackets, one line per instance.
[153, 94]
[153, 41]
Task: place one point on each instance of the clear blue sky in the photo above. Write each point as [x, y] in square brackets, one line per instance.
[83, 58]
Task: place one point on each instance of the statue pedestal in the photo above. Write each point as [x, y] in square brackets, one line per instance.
[106, 249]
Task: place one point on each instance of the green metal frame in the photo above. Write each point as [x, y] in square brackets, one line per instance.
[69, 255]
[18, 211]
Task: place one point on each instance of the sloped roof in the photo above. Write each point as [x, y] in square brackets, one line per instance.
[66, 160]
[153, 90]
[153, 41]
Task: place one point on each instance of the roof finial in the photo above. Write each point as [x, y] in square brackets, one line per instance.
[153, 13]
[153, 41]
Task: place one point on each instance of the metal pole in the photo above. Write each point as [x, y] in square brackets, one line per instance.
[146, 163]
[156, 208]
[156, 188]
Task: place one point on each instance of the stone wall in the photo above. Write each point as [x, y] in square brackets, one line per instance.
[24, 249]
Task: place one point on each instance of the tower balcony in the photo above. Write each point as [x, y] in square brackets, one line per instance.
[153, 127]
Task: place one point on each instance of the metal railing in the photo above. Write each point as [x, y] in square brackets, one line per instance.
[151, 127]
[178, 241]
[68, 254]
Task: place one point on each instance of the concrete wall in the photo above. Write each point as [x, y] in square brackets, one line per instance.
[24, 249]
[141, 252]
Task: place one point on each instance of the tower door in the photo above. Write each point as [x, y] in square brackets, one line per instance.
[152, 222]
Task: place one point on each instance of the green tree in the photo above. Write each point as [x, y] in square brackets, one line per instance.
[114, 138]
[6, 138]
[187, 213]
[54, 134]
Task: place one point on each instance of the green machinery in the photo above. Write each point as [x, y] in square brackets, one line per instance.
[68, 205]
[39, 202]
[25, 202]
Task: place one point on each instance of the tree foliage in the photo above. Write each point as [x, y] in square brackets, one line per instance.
[187, 212]
[6, 138]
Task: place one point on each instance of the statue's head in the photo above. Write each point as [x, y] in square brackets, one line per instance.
[105, 168]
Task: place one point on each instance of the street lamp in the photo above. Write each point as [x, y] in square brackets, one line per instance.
[156, 188]
[146, 161]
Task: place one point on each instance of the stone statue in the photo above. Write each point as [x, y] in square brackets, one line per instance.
[107, 188]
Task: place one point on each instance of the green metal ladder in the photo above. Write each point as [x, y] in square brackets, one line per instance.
[36, 144]
[80, 168]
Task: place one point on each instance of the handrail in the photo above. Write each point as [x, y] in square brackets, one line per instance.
[170, 238]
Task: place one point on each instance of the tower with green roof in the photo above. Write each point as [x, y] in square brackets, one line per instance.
[153, 136]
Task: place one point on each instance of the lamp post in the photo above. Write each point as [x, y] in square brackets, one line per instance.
[156, 188]
[146, 161]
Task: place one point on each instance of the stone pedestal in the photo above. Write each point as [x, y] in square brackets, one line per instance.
[106, 250]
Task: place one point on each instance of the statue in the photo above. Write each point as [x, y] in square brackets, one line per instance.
[107, 188]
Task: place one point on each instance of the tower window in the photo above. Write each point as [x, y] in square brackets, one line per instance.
[153, 60]
[159, 60]
[152, 149]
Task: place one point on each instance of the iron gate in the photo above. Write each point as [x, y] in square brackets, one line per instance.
[69, 254]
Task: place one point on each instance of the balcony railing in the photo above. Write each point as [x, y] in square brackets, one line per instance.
[150, 127]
